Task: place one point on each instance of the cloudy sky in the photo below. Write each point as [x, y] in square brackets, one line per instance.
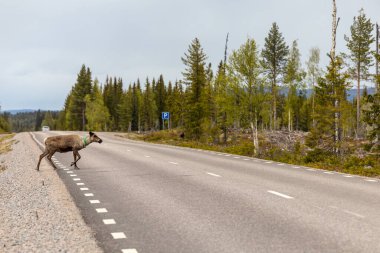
[43, 43]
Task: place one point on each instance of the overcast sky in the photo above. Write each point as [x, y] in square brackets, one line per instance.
[43, 43]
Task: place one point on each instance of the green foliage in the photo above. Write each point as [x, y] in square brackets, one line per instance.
[97, 114]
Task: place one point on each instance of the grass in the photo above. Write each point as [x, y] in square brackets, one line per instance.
[300, 155]
[6, 143]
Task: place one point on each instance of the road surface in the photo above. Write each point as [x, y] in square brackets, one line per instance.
[141, 197]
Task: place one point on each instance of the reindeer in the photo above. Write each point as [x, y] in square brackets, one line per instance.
[67, 143]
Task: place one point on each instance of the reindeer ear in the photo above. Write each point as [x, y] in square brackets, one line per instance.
[91, 133]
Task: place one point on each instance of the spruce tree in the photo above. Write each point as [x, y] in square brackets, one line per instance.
[195, 79]
[97, 114]
[160, 95]
[360, 55]
[274, 57]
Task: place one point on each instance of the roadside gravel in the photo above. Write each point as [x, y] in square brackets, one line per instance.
[37, 214]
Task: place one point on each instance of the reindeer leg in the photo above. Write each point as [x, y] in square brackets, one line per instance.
[76, 154]
[45, 153]
[51, 162]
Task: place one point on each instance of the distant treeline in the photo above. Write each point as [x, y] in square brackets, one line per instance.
[32, 121]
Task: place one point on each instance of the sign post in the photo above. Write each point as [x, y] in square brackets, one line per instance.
[165, 116]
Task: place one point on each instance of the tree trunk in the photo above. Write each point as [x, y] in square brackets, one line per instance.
[358, 132]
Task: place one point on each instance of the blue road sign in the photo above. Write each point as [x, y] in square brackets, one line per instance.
[166, 115]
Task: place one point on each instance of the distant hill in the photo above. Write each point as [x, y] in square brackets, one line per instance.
[13, 112]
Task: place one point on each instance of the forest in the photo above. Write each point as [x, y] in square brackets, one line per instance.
[252, 93]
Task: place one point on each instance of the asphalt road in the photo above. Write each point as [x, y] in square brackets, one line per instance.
[172, 199]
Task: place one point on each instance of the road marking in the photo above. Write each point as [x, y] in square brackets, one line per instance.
[212, 174]
[109, 221]
[84, 189]
[280, 164]
[281, 195]
[147, 156]
[354, 214]
[348, 176]
[73, 175]
[370, 180]
[328, 172]
[129, 251]
[94, 201]
[246, 159]
[76, 179]
[269, 162]
[311, 169]
[219, 154]
[69, 172]
[296, 167]
[66, 169]
[118, 235]
[80, 183]
[227, 155]
[101, 210]
[173, 163]
[89, 194]
[236, 157]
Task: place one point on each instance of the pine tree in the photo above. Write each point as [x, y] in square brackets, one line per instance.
[160, 95]
[125, 110]
[195, 79]
[273, 61]
[359, 45]
[149, 108]
[97, 114]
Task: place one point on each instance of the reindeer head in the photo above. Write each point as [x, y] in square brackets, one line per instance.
[95, 138]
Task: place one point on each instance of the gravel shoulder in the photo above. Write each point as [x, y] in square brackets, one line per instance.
[37, 214]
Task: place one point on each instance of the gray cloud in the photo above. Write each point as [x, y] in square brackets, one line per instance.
[44, 42]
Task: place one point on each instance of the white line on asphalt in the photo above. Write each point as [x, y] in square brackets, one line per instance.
[76, 179]
[118, 235]
[73, 175]
[370, 180]
[84, 189]
[173, 163]
[101, 210]
[281, 195]
[109, 221]
[236, 157]
[311, 169]
[94, 201]
[89, 194]
[147, 156]
[212, 174]
[66, 169]
[69, 172]
[280, 164]
[220, 154]
[296, 167]
[80, 183]
[269, 162]
[354, 214]
[246, 159]
[129, 251]
[348, 176]
[328, 172]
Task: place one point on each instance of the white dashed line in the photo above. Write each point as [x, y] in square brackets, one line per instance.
[129, 251]
[94, 201]
[311, 170]
[328, 172]
[280, 164]
[281, 195]
[66, 169]
[101, 210]
[109, 221]
[173, 163]
[73, 175]
[227, 155]
[246, 159]
[76, 179]
[236, 157]
[296, 167]
[118, 235]
[147, 156]
[348, 176]
[371, 180]
[89, 194]
[269, 162]
[80, 183]
[84, 189]
[69, 172]
[212, 174]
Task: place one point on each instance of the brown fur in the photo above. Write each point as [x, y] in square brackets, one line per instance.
[66, 143]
